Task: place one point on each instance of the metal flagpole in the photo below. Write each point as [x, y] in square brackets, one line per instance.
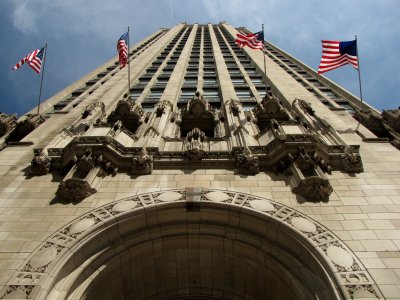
[359, 77]
[129, 69]
[41, 80]
[265, 68]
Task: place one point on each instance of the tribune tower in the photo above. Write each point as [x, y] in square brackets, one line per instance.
[208, 179]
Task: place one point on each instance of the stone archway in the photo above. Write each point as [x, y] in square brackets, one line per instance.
[192, 244]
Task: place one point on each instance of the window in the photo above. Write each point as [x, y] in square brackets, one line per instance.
[187, 93]
[243, 93]
[210, 93]
[135, 93]
[210, 80]
[261, 92]
[155, 93]
[238, 80]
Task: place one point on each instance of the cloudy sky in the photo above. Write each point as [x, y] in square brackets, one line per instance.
[81, 35]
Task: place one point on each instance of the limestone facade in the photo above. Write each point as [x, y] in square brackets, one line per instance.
[209, 179]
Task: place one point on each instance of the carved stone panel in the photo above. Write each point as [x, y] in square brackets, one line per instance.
[130, 114]
[247, 163]
[75, 190]
[40, 164]
[198, 114]
[7, 123]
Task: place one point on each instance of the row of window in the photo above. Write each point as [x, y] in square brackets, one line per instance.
[309, 81]
[110, 70]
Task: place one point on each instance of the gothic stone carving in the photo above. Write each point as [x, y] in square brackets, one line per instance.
[40, 164]
[7, 123]
[247, 163]
[25, 126]
[198, 114]
[269, 108]
[194, 144]
[75, 189]
[143, 163]
[308, 180]
[161, 107]
[352, 161]
[391, 118]
[130, 114]
[89, 110]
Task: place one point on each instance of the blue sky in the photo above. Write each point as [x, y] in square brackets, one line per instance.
[82, 35]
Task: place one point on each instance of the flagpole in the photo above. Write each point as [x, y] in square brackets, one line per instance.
[129, 69]
[359, 77]
[41, 80]
[265, 68]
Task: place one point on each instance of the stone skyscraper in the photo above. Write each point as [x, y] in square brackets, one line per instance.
[209, 179]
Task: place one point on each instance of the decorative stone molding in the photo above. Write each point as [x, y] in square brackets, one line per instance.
[40, 164]
[269, 108]
[352, 161]
[7, 123]
[307, 178]
[91, 108]
[143, 163]
[74, 190]
[77, 184]
[161, 107]
[246, 162]
[25, 126]
[41, 274]
[194, 144]
[235, 106]
[391, 118]
[129, 113]
[198, 114]
[384, 125]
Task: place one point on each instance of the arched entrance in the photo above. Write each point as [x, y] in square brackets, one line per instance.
[194, 244]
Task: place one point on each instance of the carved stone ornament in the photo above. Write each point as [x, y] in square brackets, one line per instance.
[194, 144]
[247, 163]
[130, 114]
[198, 114]
[313, 188]
[25, 126]
[308, 180]
[305, 106]
[391, 118]
[7, 123]
[92, 107]
[40, 164]
[85, 163]
[352, 161]
[143, 164]
[235, 106]
[269, 108]
[161, 107]
[75, 189]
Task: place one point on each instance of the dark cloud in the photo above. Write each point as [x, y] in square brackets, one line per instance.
[82, 35]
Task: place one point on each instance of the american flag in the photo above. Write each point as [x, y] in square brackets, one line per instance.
[33, 59]
[253, 40]
[122, 47]
[336, 54]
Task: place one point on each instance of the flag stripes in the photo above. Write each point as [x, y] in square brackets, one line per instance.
[252, 40]
[336, 54]
[33, 59]
[122, 47]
